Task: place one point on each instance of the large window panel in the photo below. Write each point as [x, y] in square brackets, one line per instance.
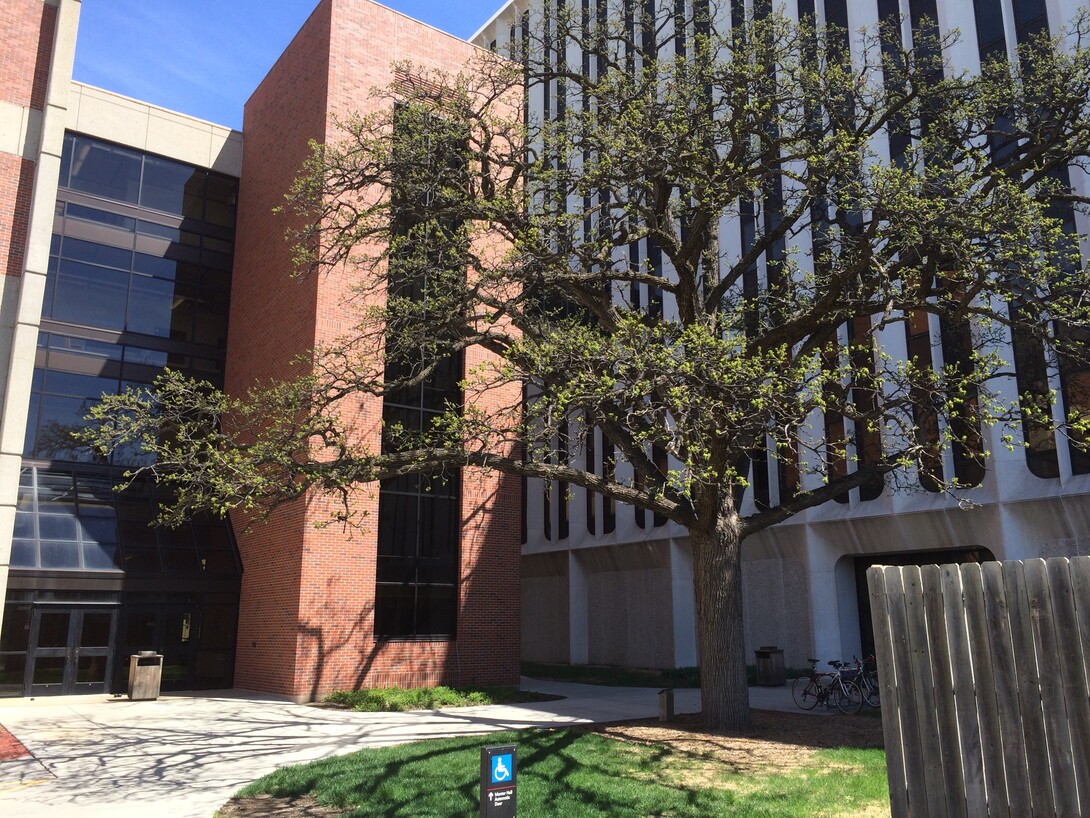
[172, 187]
[88, 295]
[101, 169]
[151, 303]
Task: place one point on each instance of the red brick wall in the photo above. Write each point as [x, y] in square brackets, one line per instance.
[272, 321]
[330, 573]
[26, 44]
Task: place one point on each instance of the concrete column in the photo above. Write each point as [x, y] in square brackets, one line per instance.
[578, 631]
[684, 604]
[21, 307]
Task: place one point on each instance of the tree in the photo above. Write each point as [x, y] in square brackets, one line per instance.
[583, 248]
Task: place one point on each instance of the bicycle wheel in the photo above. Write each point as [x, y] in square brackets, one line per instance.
[871, 695]
[804, 692]
[850, 700]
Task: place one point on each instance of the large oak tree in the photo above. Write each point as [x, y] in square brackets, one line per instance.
[870, 188]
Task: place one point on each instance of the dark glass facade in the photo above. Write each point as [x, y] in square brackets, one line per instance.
[139, 280]
[419, 521]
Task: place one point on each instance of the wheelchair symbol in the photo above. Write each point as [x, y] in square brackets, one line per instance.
[501, 769]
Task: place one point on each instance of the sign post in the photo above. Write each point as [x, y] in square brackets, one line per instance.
[499, 766]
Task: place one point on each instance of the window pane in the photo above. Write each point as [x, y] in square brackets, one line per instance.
[151, 301]
[58, 419]
[57, 527]
[211, 319]
[100, 557]
[90, 214]
[394, 610]
[56, 493]
[105, 170]
[24, 554]
[92, 296]
[141, 560]
[435, 610]
[222, 196]
[102, 255]
[60, 554]
[398, 526]
[24, 525]
[172, 187]
[16, 628]
[98, 530]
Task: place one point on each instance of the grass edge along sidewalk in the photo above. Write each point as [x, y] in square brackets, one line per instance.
[578, 773]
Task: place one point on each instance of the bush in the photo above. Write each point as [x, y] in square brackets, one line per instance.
[397, 699]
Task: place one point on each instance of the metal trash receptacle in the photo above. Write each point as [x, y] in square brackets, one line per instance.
[145, 675]
[770, 670]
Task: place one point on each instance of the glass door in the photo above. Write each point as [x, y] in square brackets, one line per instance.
[69, 651]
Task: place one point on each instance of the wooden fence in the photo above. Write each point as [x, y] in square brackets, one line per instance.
[984, 675]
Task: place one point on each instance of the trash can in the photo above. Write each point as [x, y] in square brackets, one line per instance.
[145, 675]
[770, 671]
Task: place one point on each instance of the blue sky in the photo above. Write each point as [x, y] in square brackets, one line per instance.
[205, 57]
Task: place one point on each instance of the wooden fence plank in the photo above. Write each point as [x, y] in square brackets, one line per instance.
[923, 689]
[1078, 642]
[907, 705]
[880, 605]
[1042, 622]
[962, 666]
[1005, 679]
[988, 719]
[945, 713]
[1029, 689]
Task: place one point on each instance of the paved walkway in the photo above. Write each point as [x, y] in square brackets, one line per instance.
[184, 755]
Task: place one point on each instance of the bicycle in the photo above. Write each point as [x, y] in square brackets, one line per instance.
[831, 689]
[868, 681]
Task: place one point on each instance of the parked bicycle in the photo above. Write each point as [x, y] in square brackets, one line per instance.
[837, 689]
[868, 680]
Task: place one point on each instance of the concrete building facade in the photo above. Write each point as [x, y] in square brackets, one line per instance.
[605, 585]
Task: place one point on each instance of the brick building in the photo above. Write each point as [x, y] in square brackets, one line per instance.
[133, 238]
[129, 235]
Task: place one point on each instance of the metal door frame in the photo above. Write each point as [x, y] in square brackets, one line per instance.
[71, 652]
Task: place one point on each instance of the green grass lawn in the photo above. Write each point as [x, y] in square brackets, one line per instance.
[573, 774]
[397, 699]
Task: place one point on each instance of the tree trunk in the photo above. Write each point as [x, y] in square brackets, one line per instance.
[717, 577]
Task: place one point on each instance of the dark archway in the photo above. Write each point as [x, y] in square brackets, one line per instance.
[940, 556]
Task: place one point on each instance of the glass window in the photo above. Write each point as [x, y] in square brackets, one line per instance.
[162, 231]
[59, 555]
[151, 302]
[155, 265]
[103, 170]
[94, 253]
[57, 527]
[221, 200]
[24, 554]
[91, 214]
[172, 187]
[91, 296]
[100, 557]
[84, 346]
[16, 630]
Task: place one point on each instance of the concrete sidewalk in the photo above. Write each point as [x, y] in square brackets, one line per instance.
[184, 755]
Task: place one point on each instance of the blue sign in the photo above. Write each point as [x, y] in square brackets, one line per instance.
[501, 769]
[499, 776]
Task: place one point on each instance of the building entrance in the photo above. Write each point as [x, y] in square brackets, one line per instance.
[941, 557]
[69, 650]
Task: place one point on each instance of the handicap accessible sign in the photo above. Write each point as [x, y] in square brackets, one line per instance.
[498, 770]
